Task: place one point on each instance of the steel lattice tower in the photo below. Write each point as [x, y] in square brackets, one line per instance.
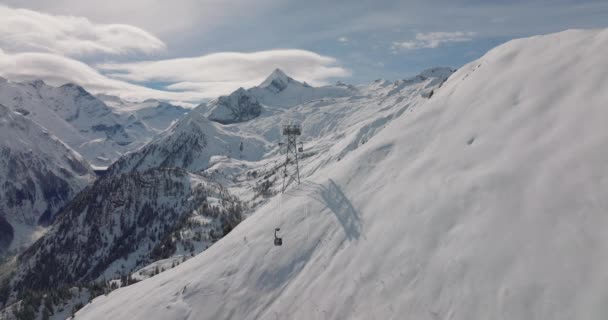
[291, 167]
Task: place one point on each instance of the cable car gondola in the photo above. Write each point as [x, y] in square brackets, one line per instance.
[277, 241]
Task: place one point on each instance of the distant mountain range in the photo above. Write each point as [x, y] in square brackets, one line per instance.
[100, 133]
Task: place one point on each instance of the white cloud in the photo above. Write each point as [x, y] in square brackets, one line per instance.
[36, 45]
[57, 70]
[433, 40]
[25, 30]
[343, 39]
[228, 69]
[191, 79]
[168, 19]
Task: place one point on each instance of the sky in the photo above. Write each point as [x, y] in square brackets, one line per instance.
[193, 50]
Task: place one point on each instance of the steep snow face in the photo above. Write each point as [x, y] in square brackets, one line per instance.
[39, 174]
[277, 91]
[486, 202]
[190, 144]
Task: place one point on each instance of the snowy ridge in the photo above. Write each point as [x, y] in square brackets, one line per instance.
[39, 174]
[190, 144]
[486, 202]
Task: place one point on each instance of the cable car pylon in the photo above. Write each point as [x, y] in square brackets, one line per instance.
[291, 168]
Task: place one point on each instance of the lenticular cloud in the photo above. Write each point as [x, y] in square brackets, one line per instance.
[30, 31]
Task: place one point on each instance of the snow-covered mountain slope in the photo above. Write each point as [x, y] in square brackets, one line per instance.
[84, 122]
[155, 114]
[486, 202]
[72, 114]
[190, 144]
[239, 106]
[38, 175]
[125, 222]
[278, 90]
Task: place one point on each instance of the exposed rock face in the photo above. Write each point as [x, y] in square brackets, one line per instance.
[6, 234]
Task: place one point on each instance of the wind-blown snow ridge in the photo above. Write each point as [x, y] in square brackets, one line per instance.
[487, 202]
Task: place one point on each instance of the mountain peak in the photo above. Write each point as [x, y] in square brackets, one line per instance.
[74, 87]
[278, 74]
[277, 80]
[37, 83]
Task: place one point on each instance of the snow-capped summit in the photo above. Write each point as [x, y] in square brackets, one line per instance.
[277, 91]
[280, 90]
[277, 81]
